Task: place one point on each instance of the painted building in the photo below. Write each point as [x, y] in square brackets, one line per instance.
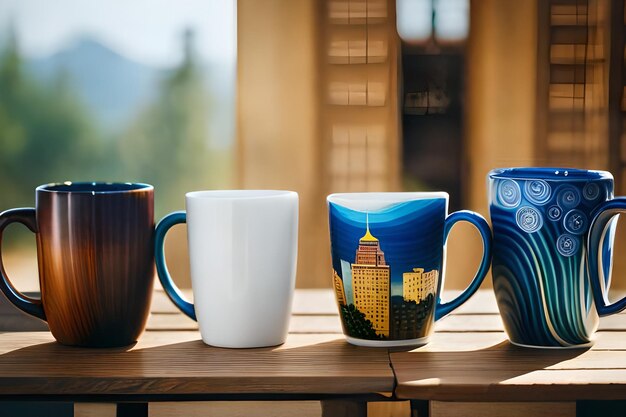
[338, 286]
[416, 285]
[371, 280]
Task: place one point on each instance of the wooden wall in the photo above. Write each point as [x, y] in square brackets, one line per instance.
[277, 110]
[285, 115]
[500, 114]
[317, 108]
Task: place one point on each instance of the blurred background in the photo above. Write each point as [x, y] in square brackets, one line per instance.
[115, 91]
[316, 96]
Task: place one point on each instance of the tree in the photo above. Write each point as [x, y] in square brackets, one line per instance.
[356, 323]
[168, 144]
[45, 133]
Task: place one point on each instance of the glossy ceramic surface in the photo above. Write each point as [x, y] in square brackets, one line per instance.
[96, 263]
[242, 250]
[540, 219]
[388, 256]
[601, 236]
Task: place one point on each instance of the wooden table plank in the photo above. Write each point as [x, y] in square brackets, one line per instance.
[468, 359]
[491, 369]
[468, 341]
[493, 323]
[315, 302]
[297, 324]
[508, 409]
[305, 302]
[315, 324]
[162, 304]
[170, 322]
[483, 302]
[535, 386]
[470, 323]
[179, 363]
[171, 359]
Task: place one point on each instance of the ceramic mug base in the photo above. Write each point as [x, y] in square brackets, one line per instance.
[243, 345]
[581, 346]
[387, 343]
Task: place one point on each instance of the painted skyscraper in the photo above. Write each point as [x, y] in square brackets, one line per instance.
[416, 285]
[372, 283]
[346, 275]
[338, 286]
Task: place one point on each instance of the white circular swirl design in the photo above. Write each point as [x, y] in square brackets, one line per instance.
[529, 219]
[575, 222]
[591, 191]
[554, 213]
[537, 191]
[568, 197]
[567, 245]
[509, 193]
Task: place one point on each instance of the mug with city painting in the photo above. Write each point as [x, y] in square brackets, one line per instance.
[388, 256]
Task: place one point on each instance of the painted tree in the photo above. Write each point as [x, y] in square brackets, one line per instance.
[356, 323]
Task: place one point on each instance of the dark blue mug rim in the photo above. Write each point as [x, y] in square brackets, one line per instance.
[93, 187]
[550, 174]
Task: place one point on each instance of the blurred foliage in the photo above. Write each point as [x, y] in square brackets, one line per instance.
[47, 135]
[167, 144]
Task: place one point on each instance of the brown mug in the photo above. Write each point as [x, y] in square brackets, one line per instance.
[95, 249]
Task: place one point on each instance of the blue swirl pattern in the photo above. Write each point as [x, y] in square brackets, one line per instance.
[539, 267]
[537, 191]
[529, 219]
[591, 191]
[509, 193]
[567, 245]
[575, 222]
[568, 197]
[554, 213]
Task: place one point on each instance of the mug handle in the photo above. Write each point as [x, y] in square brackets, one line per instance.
[599, 255]
[28, 217]
[442, 309]
[172, 291]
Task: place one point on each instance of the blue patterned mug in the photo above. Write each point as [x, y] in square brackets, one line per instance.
[540, 219]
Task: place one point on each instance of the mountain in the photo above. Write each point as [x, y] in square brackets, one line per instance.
[113, 87]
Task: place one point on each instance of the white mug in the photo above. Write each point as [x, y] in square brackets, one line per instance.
[243, 250]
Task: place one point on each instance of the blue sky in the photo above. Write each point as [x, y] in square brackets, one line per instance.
[410, 234]
[147, 31]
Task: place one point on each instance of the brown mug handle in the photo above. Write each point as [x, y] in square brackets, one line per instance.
[28, 217]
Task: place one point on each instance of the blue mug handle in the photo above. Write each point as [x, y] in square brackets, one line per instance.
[28, 217]
[172, 291]
[599, 255]
[443, 309]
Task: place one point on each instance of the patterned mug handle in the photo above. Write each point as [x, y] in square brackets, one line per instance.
[442, 309]
[599, 256]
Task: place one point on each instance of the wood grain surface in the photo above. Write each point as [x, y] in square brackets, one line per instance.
[179, 363]
[509, 409]
[468, 359]
[96, 261]
[170, 359]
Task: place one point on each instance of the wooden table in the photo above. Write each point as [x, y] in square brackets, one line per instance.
[467, 366]
[470, 364]
[170, 363]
